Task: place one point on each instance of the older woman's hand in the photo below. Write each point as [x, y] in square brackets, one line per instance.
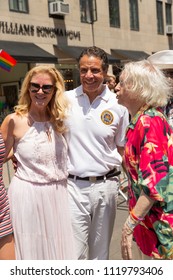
[126, 238]
[126, 243]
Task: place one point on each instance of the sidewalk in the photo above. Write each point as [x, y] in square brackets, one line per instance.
[122, 213]
[121, 216]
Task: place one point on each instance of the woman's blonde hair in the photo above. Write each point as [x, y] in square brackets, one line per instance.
[57, 107]
[148, 82]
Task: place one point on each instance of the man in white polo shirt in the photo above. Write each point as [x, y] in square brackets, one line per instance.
[95, 137]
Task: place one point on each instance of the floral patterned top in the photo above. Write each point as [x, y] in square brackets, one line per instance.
[149, 161]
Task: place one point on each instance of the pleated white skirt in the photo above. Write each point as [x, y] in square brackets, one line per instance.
[41, 220]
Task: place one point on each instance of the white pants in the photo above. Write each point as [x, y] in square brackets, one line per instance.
[93, 209]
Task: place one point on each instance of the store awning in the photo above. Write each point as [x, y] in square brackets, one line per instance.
[73, 52]
[128, 54]
[27, 52]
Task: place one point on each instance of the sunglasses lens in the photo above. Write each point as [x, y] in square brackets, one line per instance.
[36, 87]
[47, 88]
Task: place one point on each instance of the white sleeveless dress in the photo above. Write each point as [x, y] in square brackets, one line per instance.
[38, 196]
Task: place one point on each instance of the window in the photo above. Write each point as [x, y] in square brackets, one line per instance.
[88, 11]
[168, 8]
[159, 10]
[18, 6]
[134, 17]
[114, 13]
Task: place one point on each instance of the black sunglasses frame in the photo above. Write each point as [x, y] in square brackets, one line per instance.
[47, 89]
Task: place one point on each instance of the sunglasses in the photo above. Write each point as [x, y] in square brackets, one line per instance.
[34, 88]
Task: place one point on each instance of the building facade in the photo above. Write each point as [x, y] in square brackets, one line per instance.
[55, 32]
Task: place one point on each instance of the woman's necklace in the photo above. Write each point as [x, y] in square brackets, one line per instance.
[48, 131]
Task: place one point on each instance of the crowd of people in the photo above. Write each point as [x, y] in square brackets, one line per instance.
[111, 82]
[68, 149]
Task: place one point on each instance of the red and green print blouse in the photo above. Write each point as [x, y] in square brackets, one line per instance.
[149, 162]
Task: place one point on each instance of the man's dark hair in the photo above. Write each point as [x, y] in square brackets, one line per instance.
[97, 52]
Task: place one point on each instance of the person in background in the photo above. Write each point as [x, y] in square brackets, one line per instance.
[110, 81]
[7, 250]
[38, 191]
[164, 60]
[144, 90]
[95, 138]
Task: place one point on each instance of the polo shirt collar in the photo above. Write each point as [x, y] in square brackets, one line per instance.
[104, 95]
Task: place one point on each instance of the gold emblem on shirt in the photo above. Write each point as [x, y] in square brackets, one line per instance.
[107, 117]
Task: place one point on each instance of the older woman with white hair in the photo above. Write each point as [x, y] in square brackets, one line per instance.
[144, 90]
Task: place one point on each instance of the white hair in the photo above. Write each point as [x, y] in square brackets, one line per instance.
[148, 82]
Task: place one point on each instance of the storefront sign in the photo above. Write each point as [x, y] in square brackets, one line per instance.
[39, 31]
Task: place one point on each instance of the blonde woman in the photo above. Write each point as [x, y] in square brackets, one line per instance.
[37, 193]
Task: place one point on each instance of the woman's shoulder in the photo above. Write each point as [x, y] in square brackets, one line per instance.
[13, 116]
[12, 120]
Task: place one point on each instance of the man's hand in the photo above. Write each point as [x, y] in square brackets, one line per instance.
[14, 161]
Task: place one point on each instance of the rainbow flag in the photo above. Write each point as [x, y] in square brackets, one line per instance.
[6, 61]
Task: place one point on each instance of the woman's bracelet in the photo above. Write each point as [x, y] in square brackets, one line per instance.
[130, 224]
[134, 217]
